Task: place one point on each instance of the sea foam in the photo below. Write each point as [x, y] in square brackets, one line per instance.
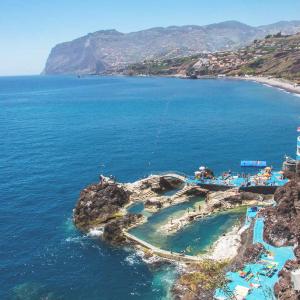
[96, 232]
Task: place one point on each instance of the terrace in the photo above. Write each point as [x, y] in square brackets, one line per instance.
[257, 280]
[229, 180]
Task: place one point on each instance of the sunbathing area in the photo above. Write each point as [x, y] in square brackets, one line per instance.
[265, 177]
[256, 280]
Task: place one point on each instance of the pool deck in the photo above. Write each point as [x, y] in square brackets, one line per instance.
[260, 286]
[245, 183]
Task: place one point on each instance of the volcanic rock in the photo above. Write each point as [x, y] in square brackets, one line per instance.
[284, 289]
[282, 221]
[113, 230]
[282, 227]
[99, 203]
[153, 203]
[162, 183]
[253, 252]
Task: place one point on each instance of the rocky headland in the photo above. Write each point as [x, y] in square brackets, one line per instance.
[104, 205]
[111, 50]
[100, 206]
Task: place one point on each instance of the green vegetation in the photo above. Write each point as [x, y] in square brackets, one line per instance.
[208, 276]
[257, 63]
[246, 70]
[118, 214]
[276, 55]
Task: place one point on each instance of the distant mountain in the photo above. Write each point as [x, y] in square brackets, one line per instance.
[285, 27]
[109, 49]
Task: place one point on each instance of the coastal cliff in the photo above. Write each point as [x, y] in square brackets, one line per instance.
[282, 228]
[110, 50]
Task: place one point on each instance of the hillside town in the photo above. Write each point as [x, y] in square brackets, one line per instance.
[275, 55]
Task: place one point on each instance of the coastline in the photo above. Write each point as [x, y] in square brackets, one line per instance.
[226, 247]
[224, 250]
[282, 84]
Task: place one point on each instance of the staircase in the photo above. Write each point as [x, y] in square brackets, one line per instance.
[182, 191]
[148, 194]
[201, 191]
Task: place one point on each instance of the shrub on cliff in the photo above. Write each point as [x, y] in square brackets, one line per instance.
[206, 277]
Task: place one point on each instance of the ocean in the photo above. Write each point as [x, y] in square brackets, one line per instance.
[57, 134]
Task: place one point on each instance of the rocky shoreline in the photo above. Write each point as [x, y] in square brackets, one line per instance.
[274, 82]
[282, 228]
[102, 207]
[280, 83]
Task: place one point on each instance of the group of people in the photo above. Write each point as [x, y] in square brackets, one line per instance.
[263, 178]
[204, 173]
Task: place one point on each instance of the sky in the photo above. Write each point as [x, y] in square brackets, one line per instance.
[30, 28]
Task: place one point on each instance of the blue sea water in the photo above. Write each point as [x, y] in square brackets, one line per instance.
[58, 133]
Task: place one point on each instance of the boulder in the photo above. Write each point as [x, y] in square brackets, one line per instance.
[113, 230]
[99, 203]
[196, 191]
[248, 196]
[284, 289]
[253, 252]
[153, 203]
[223, 199]
[166, 183]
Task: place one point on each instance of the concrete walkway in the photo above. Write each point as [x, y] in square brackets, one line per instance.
[164, 253]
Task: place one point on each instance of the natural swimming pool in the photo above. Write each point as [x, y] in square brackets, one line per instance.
[194, 238]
